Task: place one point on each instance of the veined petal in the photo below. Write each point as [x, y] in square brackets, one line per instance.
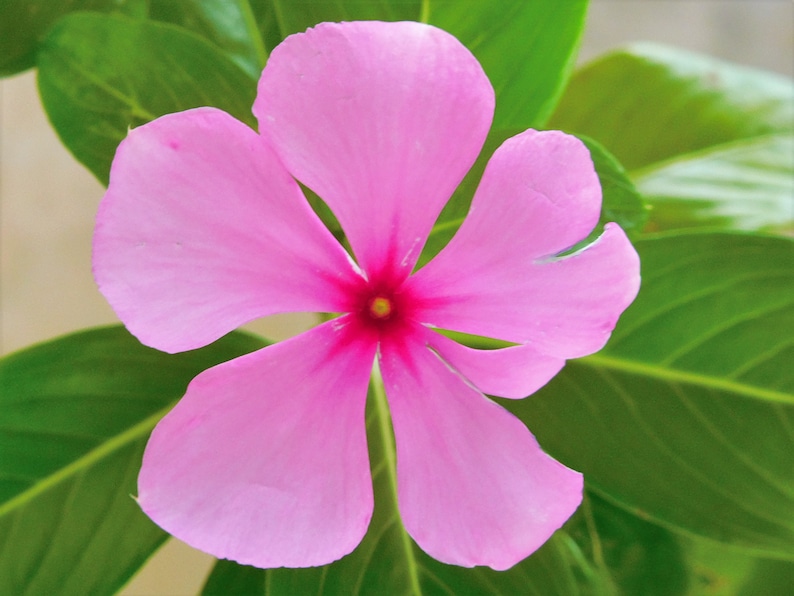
[565, 308]
[382, 120]
[513, 372]
[202, 229]
[264, 460]
[474, 487]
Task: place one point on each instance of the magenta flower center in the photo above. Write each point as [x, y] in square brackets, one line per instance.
[383, 305]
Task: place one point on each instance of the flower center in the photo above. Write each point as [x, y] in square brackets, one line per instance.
[380, 308]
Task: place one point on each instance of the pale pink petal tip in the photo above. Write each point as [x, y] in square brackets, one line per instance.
[474, 486]
[264, 461]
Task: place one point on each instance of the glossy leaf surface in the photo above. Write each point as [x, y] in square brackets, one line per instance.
[75, 414]
[687, 416]
[294, 16]
[238, 28]
[637, 556]
[145, 70]
[644, 558]
[649, 103]
[743, 185]
[25, 23]
[723, 571]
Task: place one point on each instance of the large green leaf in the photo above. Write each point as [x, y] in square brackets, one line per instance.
[643, 558]
[75, 414]
[388, 561]
[687, 416]
[649, 103]
[743, 185]
[24, 24]
[294, 16]
[528, 50]
[238, 27]
[639, 557]
[145, 70]
[717, 570]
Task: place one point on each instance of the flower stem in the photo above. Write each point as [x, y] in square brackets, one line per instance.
[389, 452]
[424, 12]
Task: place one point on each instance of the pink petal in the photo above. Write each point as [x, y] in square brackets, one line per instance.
[513, 372]
[547, 182]
[565, 308]
[202, 229]
[382, 120]
[497, 278]
[264, 461]
[474, 487]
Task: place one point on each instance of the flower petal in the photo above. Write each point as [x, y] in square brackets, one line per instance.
[546, 180]
[202, 229]
[264, 461]
[539, 195]
[474, 487]
[513, 372]
[565, 308]
[382, 120]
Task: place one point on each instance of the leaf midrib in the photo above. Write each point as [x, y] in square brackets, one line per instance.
[686, 465]
[85, 461]
[672, 375]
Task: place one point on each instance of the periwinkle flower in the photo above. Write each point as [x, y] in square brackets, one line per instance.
[204, 227]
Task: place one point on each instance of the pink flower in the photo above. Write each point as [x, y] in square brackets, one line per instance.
[203, 228]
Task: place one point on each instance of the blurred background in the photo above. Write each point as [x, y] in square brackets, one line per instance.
[48, 200]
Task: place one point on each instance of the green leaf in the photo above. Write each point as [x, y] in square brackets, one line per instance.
[295, 16]
[239, 27]
[25, 24]
[686, 418]
[743, 185]
[649, 103]
[75, 414]
[644, 558]
[621, 201]
[145, 70]
[639, 557]
[768, 577]
[388, 561]
[528, 50]
[716, 570]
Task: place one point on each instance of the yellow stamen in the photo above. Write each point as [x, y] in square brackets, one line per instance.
[380, 307]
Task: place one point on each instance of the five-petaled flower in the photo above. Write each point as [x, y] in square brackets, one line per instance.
[204, 227]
